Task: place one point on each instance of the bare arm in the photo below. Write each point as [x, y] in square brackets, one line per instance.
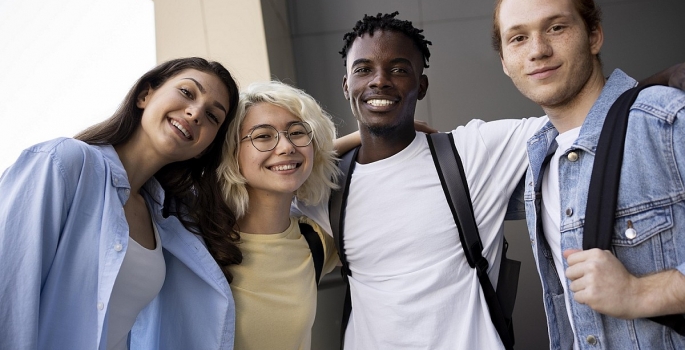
[599, 280]
[346, 143]
[673, 76]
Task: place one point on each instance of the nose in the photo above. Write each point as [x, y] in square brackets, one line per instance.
[381, 79]
[193, 113]
[540, 48]
[283, 145]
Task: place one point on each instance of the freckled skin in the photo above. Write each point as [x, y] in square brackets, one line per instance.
[549, 34]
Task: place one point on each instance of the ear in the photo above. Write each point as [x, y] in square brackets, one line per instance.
[504, 67]
[423, 86]
[344, 87]
[144, 97]
[596, 39]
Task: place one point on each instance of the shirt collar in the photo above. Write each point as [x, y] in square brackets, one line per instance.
[120, 179]
[617, 84]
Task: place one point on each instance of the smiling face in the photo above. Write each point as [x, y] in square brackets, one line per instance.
[547, 50]
[280, 171]
[182, 116]
[384, 80]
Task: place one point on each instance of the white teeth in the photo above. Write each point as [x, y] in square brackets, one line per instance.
[179, 127]
[380, 103]
[284, 167]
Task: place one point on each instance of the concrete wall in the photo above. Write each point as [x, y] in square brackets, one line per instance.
[229, 31]
[466, 81]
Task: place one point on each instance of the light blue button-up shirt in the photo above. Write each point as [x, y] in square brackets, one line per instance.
[63, 237]
[651, 198]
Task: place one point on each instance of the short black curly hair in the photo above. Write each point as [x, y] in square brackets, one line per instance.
[387, 22]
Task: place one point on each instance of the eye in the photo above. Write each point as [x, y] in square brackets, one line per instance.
[399, 70]
[517, 39]
[213, 117]
[361, 70]
[186, 92]
[556, 28]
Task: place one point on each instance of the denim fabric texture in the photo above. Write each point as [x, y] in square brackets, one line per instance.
[651, 197]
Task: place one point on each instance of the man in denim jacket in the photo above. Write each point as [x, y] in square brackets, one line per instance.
[550, 51]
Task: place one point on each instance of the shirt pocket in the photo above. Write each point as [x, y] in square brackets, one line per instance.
[642, 240]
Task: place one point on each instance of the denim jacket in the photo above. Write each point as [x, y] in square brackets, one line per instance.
[651, 197]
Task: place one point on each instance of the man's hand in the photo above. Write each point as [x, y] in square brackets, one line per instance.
[599, 280]
[677, 79]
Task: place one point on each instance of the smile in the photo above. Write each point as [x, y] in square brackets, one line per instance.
[380, 103]
[284, 167]
[181, 128]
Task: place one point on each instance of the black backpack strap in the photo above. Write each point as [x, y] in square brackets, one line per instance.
[602, 198]
[336, 213]
[449, 166]
[316, 246]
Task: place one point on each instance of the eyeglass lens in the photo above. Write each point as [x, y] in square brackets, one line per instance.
[265, 138]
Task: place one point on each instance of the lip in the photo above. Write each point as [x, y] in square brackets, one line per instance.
[294, 164]
[543, 72]
[184, 124]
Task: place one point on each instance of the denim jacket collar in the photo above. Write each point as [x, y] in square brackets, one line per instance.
[617, 84]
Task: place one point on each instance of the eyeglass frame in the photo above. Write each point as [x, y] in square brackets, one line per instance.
[278, 135]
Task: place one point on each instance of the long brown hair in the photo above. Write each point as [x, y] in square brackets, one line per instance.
[191, 186]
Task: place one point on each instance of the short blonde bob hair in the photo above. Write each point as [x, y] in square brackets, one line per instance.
[323, 178]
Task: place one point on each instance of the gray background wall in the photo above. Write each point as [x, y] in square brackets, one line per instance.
[466, 82]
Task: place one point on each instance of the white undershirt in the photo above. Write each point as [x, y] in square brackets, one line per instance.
[139, 280]
[551, 213]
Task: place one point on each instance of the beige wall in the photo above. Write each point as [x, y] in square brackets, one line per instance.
[228, 31]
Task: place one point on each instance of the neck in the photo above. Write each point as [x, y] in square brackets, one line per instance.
[375, 147]
[572, 113]
[137, 164]
[266, 214]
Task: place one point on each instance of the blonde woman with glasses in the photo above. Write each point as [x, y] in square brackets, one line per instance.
[279, 146]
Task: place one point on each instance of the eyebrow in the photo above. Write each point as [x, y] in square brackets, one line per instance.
[546, 20]
[395, 60]
[202, 90]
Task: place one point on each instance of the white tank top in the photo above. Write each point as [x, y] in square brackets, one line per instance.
[139, 280]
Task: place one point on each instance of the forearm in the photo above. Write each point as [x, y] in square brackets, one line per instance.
[673, 76]
[660, 294]
[346, 143]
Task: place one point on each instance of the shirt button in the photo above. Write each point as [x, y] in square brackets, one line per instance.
[591, 339]
[127, 191]
[116, 181]
[101, 306]
[118, 247]
[569, 211]
[572, 156]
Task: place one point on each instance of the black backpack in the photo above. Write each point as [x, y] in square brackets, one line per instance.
[449, 166]
[315, 245]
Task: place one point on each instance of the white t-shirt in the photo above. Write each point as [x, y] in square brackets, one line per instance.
[551, 211]
[411, 285]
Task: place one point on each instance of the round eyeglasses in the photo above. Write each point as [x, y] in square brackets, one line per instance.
[265, 137]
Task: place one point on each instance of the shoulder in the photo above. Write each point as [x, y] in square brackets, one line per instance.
[325, 236]
[66, 151]
[661, 101]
